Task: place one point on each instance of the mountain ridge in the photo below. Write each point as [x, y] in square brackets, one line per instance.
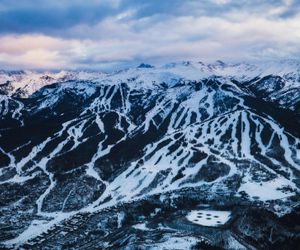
[92, 141]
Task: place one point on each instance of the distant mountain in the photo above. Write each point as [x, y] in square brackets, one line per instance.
[116, 160]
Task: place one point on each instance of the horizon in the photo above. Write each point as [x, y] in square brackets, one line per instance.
[159, 65]
[109, 35]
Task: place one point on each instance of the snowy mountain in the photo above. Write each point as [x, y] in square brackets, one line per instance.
[137, 157]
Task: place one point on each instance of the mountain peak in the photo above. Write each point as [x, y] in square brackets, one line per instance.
[145, 66]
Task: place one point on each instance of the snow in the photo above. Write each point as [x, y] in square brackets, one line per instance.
[121, 217]
[175, 242]
[137, 179]
[142, 227]
[234, 244]
[30, 81]
[209, 218]
[36, 228]
[245, 138]
[267, 190]
[5, 109]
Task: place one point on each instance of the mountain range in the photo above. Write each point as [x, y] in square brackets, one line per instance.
[120, 160]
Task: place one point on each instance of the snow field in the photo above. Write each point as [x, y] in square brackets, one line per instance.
[209, 218]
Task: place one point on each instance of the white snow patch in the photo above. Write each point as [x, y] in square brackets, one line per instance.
[175, 242]
[121, 217]
[267, 190]
[210, 218]
[141, 226]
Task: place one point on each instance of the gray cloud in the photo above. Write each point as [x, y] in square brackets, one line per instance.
[38, 33]
[45, 16]
[39, 16]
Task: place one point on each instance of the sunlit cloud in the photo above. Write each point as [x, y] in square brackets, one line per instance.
[90, 34]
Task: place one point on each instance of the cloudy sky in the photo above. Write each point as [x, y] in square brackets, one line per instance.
[69, 34]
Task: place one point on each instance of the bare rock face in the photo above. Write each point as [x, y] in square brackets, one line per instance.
[94, 160]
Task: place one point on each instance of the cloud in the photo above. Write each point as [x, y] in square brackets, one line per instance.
[51, 16]
[83, 34]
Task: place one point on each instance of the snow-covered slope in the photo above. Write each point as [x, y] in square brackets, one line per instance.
[277, 81]
[25, 83]
[86, 142]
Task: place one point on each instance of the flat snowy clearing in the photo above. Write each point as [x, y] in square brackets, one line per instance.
[210, 218]
[271, 190]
